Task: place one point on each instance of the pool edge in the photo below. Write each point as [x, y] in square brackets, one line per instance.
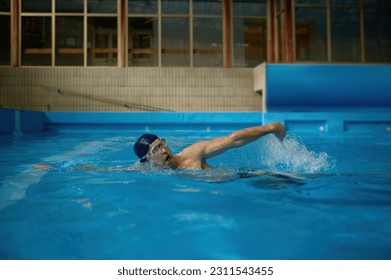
[18, 122]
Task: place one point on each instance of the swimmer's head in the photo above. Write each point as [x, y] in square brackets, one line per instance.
[142, 145]
[150, 148]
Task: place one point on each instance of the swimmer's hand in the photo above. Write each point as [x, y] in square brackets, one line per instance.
[279, 131]
[42, 167]
[85, 167]
[90, 167]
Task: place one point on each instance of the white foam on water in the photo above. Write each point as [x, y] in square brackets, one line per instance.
[293, 156]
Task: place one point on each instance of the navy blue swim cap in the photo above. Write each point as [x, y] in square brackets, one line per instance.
[141, 147]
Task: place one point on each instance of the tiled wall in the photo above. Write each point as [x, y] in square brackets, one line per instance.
[129, 89]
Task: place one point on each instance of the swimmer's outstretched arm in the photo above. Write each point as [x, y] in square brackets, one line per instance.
[247, 135]
[85, 167]
[211, 148]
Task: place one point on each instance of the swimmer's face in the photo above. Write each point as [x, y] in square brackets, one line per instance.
[160, 155]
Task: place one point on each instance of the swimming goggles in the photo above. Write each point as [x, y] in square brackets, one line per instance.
[155, 150]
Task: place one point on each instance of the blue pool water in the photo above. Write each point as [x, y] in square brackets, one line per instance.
[324, 197]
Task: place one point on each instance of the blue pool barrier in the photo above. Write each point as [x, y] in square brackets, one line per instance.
[329, 123]
[293, 87]
[152, 121]
[17, 122]
[7, 121]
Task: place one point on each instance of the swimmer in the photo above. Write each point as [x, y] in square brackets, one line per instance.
[151, 149]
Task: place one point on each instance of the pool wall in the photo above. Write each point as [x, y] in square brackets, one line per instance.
[298, 87]
[16, 122]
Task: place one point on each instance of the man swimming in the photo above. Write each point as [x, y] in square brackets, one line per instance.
[150, 148]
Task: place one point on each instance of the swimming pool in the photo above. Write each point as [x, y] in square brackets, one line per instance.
[328, 197]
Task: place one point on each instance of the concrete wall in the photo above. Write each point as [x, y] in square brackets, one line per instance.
[129, 89]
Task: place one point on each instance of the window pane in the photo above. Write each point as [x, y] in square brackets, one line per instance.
[36, 41]
[371, 2]
[4, 5]
[311, 34]
[143, 42]
[208, 42]
[70, 6]
[5, 40]
[249, 42]
[280, 5]
[175, 6]
[175, 42]
[102, 41]
[345, 35]
[249, 7]
[377, 35]
[207, 7]
[69, 41]
[344, 2]
[142, 7]
[42, 6]
[310, 1]
[281, 54]
[100, 6]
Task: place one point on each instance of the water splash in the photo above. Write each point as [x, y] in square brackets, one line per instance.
[293, 156]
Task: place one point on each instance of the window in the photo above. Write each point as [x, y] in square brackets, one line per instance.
[175, 33]
[36, 40]
[249, 32]
[311, 1]
[31, 6]
[103, 7]
[192, 33]
[207, 33]
[344, 2]
[101, 35]
[143, 7]
[311, 34]
[207, 42]
[143, 33]
[68, 25]
[74, 6]
[5, 5]
[102, 41]
[143, 41]
[345, 35]
[344, 30]
[207, 7]
[175, 41]
[69, 41]
[377, 22]
[36, 34]
[69, 33]
[5, 35]
[180, 7]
